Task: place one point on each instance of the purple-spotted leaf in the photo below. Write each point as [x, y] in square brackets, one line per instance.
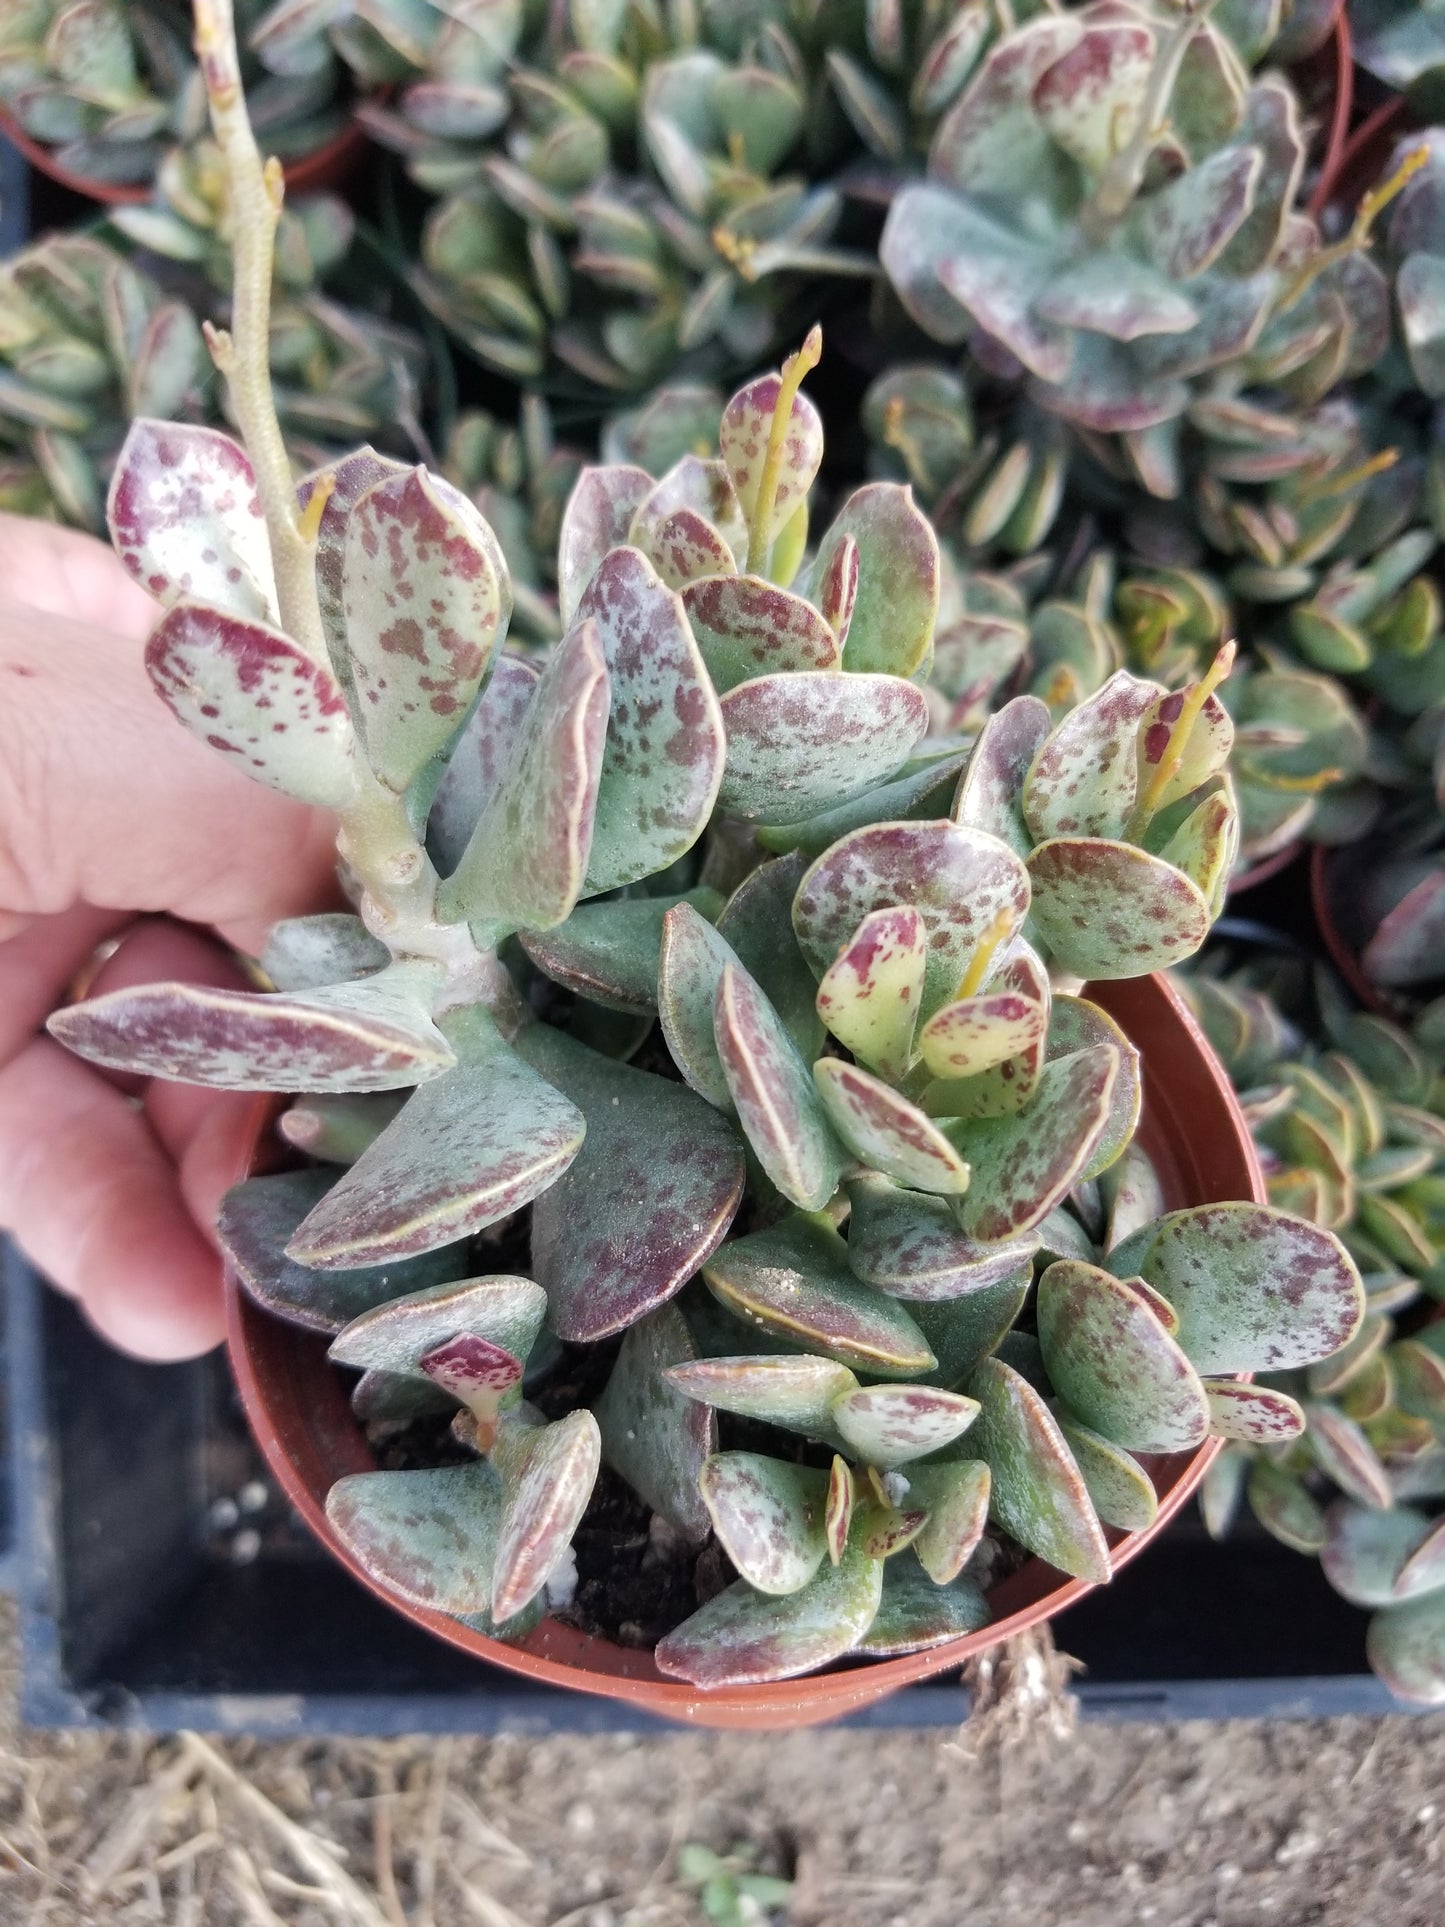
[758, 923]
[796, 1392]
[1113, 1363]
[746, 626]
[1204, 847]
[1256, 1289]
[909, 1244]
[896, 605]
[1285, 1507]
[961, 881]
[480, 758]
[549, 1472]
[885, 1530]
[302, 953]
[979, 1032]
[256, 1221]
[687, 546]
[507, 1312]
[923, 791]
[838, 1507]
[836, 587]
[479, 1375]
[915, 1612]
[1108, 910]
[691, 962]
[1342, 1449]
[373, 1034]
[1074, 1025]
[870, 993]
[466, 1149]
[802, 742]
[1003, 1088]
[665, 741]
[956, 1497]
[425, 604]
[525, 862]
[1082, 781]
[705, 488]
[964, 1331]
[647, 1201]
[1038, 1494]
[1406, 1648]
[387, 1401]
[793, 1280]
[990, 793]
[773, 1094]
[1024, 1164]
[654, 1435]
[889, 1425]
[743, 437]
[253, 694]
[1203, 753]
[429, 1536]
[186, 520]
[1120, 1490]
[346, 482]
[610, 952]
[1257, 1414]
[745, 1638]
[881, 1127]
[1373, 1557]
[598, 515]
[1132, 1189]
[769, 1516]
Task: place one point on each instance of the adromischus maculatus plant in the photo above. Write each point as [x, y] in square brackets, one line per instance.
[338, 639]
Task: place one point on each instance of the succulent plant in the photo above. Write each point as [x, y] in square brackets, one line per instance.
[1352, 1137]
[113, 89]
[1404, 46]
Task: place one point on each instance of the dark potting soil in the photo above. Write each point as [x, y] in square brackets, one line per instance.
[636, 1579]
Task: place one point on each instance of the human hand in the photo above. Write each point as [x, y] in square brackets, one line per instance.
[113, 818]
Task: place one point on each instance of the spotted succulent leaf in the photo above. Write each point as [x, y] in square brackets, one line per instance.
[303, 953]
[597, 518]
[743, 437]
[652, 1433]
[1108, 910]
[773, 1094]
[610, 952]
[798, 1392]
[1120, 1490]
[909, 1244]
[803, 742]
[891, 1425]
[1115, 1365]
[1255, 1414]
[1025, 1163]
[548, 1472]
[895, 607]
[769, 1517]
[396, 1337]
[916, 1611]
[428, 1536]
[747, 627]
[1037, 1492]
[869, 995]
[882, 1128]
[743, 1637]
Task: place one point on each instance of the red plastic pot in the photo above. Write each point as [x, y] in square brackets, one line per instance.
[298, 1410]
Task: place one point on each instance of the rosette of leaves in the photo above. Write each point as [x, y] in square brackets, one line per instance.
[86, 341]
[1109, 217]
[114, 89]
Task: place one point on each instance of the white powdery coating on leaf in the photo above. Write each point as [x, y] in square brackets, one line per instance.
[561, 1583]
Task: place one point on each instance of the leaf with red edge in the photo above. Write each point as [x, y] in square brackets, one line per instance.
[979, 1032]
[990, 794]
[347, 480]
[1257, 1414]
[1406, 1648]
[1113, 1363]
[525, 862]
[477, 1374]
[655, 1436]
[481, 756]
[1205, 845]
[869, 995]
[549, 1472]
[687, 546]
[425, 606]
[960, 880]
[1405, 948]
[506, 1311]
[611, 952]
[757, 922]
[964, 1331]
[1037, 1494]
[838, 1507]
[890, 1425]
[803, 742]
[836, 588]
[1002, 1088]
[744, 1638]
[896, 605]
[1108, 910]
[746, 627]
[1075, 1024]
[880, 1126]
[186, 520]
[1342, 1450]
[596, 519]
[915, 1612]
[1204, 752]
[956, 1496]
[1091, 97]
[743, 436]
[1083, 781]
[665, 740]
[692, 483]
[909, 1244]
[647, 1201]
[1120, 1490]
[373, 1034]
[769, 1517]
[466, 1149]
[250, 692]
[773, 1094]
[691, 963]
[428, 1536]
[796, 1391]
[1023, 1165]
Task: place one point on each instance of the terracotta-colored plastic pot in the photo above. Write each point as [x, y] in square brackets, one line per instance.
[1333, 883]
[298, 1409]
[326, 166]
[1268, 866]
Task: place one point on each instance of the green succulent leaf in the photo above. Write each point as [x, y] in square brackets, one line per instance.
[692, 959]
[891, 1425]
[744, 1638]
[909, 1244]
[1406, 1648]
[1345, 1452]
[798, 1392]
[1025, 1163]
[655, 1436]
[956, 1496]
[1285, 1507]
[1378, 1558]
[805, 741]
[757, 922]
[303, 953]
[596, 520]
[1108, 910]
[1038, 1493]
[890, 629]
[397, 1336]
[964, 1331]
[1120, 1490]
[1255, 1414]
[611, 952]
[549, 1472]
[870, 993]
[915, 1612]
[768, 1516]
[746, 627]
[428, 1536]
[773, 1094]
[1115, 1365]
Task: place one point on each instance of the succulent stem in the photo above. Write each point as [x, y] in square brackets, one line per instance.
[1172, 761]
[1121, 180]
[1372, 206]
[795, 369]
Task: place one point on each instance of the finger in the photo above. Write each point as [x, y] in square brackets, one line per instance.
[66, 573]
[38, 964]
[95, 1200]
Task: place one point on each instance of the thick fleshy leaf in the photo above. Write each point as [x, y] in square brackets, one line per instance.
[424, 606]
[881, 1127]
[684, 548]
[692, 959]
[964, 1331]
[610, 952]
[256, 1221]
[978, 1032]
[746, 627]
[186, 520]
[466, 1149]
[870, 993]
[916, 1613]
[1406, 1647]
[1343, 1450]
[1025, 1163]
[696, 484]
[250, 692]
[1108, 910]
[773, 1094]
[1285, 1507]
[793, 1279]
[428, 1536]
[908, 1244]
[484, 1377]
[396, 1337]
[647, 1200]
[1120, 1490]
[1256, 1289]
[990, 794]
[891, 627]
[652, 1433]
[889, 1425]
[1003, 1088]
[549, 1472]
[665, 741]
[1203, 754]
[1185, 225]
[374, 1034]
[524, 864]
[338, 1129]
[743, 436]
[1373, 1557]
[480, 758]
[922, 792]
[743, 1637]
[802, 742]
[1037, 1493]
[346, 481]
[796, 1392]
[598, 515]
[769, 1517]
[1075, 1024]
[303, 953]
[962, 881]
[838, 1506]
[1257, 1414]
[758, 923]
[957, 1497]
[1419, 1375]
[1114, 1364]
[1083, 780]
[1205, 845]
